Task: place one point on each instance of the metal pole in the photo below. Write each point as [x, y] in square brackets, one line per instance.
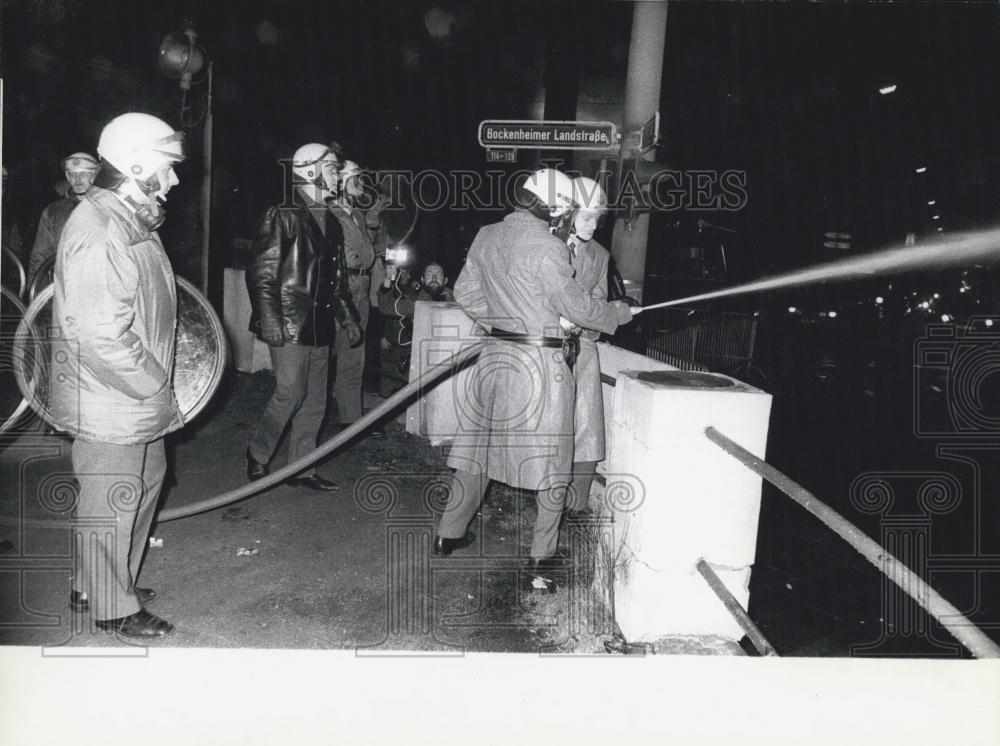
[206, 187]
[642, 99]
[936, 605]
[739, 614]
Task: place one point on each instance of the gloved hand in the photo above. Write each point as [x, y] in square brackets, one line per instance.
[354, 333]
[568, 326]
[272, 333]
[623, 310]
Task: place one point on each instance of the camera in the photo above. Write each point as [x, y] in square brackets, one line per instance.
[956, 387]
[398, 255]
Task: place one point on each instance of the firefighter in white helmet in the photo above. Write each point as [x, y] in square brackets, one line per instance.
[518, 429]
[297, 280]
[364, 249]
[590, 264]
[79, 170]
[116, 307]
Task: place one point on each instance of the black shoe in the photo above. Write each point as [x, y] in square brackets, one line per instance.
[583, 514]
[255, 469]
[315, 482]
[444, 547]
[139, 624]
[79, 602]
[539, 575]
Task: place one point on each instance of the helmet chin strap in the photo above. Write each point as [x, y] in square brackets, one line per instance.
[141, 200]
[562, 225]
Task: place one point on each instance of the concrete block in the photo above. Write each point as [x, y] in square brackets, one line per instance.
[683, 499]
[439, 330]
[249, 354]
[613, 361]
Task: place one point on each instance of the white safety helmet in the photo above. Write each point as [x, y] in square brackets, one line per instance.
[349, 169]
[554, 189]
[80, 162]
[139, 144]
[306, 163]
[588, 194]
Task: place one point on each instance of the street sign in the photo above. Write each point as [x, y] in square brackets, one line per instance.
[649, 135]
[547, 135]
[505, 155]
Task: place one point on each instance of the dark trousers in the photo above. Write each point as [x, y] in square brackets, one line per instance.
[351, 361]
[299, 395]
[466, 493]
[119, 487]
[578, 497]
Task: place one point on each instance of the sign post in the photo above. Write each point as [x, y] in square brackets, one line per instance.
[649, 135]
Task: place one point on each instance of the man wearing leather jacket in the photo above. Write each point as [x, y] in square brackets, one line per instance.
[300, 299]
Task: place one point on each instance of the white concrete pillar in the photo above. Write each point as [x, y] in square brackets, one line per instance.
[439, 330]
[249, 354]
[675, 497]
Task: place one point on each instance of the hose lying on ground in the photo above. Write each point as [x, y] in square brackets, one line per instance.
[240, 493]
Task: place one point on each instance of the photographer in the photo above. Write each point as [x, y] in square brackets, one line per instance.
[397, 298]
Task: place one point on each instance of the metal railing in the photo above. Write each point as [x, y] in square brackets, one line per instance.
[912, 584]
[717, 341]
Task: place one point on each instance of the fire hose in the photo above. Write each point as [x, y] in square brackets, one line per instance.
[415, 387]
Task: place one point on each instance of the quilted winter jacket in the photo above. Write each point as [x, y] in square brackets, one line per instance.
[115, 308]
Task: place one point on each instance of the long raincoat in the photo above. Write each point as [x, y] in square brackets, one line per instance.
[517, 420]
[590, 262]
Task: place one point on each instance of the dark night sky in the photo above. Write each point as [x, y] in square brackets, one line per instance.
[785, 91]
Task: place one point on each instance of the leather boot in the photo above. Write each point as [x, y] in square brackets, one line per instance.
[255, 469]
[443, 547]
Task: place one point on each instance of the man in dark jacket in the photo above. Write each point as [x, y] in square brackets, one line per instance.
[297, 280]
[116, 307]
[80, 169]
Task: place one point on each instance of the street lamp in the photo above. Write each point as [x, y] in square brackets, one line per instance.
[181, 57]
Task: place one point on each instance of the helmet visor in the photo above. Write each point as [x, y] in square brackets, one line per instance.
[170, 147]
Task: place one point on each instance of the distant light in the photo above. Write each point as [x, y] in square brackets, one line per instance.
[945, 318]
[939, 230]
[989, 322]
[931, 202]
[935, 217]
[921, 169]
[925, 304]
[832, 314]
[886, 90]
[937, 295]
[879, 300]
[792, 309]
[962, 289]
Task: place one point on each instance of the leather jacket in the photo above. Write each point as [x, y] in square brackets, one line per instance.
[298, 276]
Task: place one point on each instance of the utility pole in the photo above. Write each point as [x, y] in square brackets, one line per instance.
[642, 101]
